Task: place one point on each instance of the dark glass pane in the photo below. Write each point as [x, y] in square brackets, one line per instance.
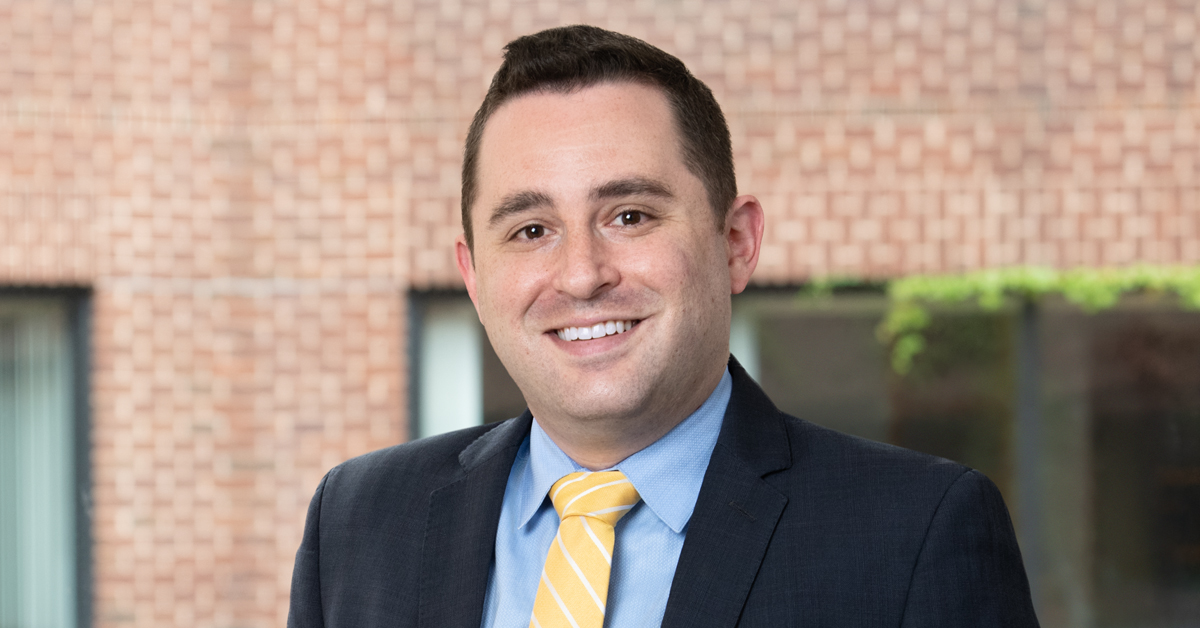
[957, 401]
[1145, 397]
[823, 363]
[501, 397]
[827, 368]
[1107, 499]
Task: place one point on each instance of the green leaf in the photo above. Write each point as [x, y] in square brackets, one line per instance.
[1092, 289]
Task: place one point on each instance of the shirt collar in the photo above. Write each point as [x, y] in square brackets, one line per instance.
[667, 474]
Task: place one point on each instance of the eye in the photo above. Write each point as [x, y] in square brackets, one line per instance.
[630, 217]
[531, 232]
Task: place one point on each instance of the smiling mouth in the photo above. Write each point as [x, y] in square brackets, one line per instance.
[599, 330]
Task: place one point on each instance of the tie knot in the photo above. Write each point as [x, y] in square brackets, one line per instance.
[604, 495]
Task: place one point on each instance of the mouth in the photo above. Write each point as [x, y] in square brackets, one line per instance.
[599, 330]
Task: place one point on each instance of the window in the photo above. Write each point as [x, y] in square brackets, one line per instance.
[1099, 465]
[43, 579]
[457, 378]
[1143, 399]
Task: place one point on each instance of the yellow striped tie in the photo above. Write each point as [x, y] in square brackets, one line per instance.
[574, 586]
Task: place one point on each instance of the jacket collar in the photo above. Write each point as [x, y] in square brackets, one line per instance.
[460, 532]
[506, 436]
[754, 430]
[735, 515]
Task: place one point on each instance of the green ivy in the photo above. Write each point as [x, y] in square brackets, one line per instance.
[1092, 289]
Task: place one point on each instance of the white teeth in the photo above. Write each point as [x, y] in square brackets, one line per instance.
[599, 330]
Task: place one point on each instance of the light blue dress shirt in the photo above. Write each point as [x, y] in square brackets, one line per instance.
[667, 475]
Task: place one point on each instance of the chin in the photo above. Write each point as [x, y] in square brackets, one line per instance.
[604, 401]
[604, 404]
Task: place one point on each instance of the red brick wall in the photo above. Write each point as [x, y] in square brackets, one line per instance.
[252, 187]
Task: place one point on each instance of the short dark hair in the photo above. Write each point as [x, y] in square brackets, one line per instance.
[570, 58]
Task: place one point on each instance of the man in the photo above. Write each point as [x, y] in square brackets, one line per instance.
[603, 237]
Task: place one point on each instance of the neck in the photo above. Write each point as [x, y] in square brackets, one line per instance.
[595, 452]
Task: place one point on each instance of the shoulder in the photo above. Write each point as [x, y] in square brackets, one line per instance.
[830, 454]
[879, 496]
[800, 458]
[411, 470]
[434, 455]
[853, 475]
[876, 530]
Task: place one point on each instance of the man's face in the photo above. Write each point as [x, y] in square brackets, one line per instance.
[586, 221]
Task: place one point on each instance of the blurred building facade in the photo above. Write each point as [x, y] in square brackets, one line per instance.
[244, 210]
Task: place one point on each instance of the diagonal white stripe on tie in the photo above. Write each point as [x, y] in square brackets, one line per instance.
[579, 572]
[597, 541]
[591, 490]
[563, 607]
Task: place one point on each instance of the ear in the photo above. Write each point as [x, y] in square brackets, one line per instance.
[743, 240]
[466, 266]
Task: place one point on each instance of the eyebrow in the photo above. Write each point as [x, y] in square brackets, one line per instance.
[635, 186]
[517, 203]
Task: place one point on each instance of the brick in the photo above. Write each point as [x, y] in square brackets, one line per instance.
[250, 188]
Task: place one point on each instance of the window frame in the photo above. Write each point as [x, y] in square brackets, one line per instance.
[77, 304]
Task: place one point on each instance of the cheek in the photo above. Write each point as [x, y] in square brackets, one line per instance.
[507, 288]
[662, 260]
[689, 268]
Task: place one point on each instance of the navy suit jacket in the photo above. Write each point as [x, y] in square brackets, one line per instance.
[795, 525]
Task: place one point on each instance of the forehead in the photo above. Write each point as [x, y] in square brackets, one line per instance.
[590, 133]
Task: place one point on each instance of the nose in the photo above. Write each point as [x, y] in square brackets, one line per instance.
[586, 268]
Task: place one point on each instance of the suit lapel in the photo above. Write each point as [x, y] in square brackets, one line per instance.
[460, 534]
[736, 513]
